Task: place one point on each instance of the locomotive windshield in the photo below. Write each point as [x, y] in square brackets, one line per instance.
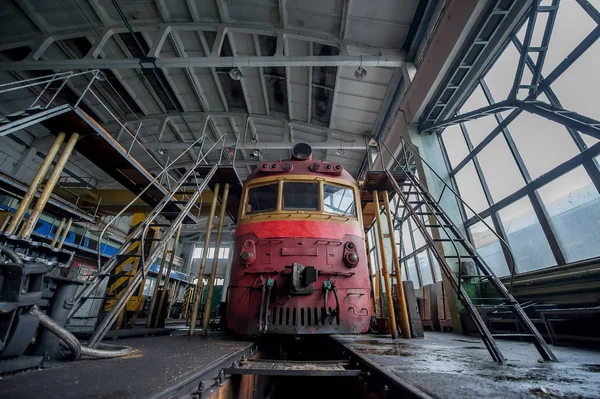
[338, 200]
[262, 199]
[300, 196]
[303, 196]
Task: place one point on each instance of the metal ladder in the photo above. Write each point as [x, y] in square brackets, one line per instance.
[140, 234]
[420, 205]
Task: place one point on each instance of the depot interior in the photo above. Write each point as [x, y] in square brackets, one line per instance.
[490, 105]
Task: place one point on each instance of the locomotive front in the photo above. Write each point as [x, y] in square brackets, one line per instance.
[299, 264]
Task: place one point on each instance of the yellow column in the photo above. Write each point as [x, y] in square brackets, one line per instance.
[384, 268]
[35, 183]
[156, 286]
[58, 231]
[213, 272]
[209, 225]
[404, 320]
[65, 234]
[168, 276]
[45, 195]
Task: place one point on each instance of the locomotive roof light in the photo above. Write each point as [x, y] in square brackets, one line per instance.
[301, 152]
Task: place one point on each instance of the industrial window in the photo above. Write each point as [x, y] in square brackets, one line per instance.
[338, 200]
[525, 236]
[573, 206]
[300, 196]
[262, 199]
[223, 253]
[510, 178]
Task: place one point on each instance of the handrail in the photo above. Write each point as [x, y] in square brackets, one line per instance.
[155, 179]
[512, 266]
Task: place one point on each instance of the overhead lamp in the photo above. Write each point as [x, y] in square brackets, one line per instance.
[372, 143]
[161, 151]
[360, 73]
[340, 151]
[235, 73]
[256, 153]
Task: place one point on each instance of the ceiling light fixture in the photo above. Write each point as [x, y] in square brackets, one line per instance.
[235, 73]
[340, 151]
[161, 151]
[256, 153]
[360, 73]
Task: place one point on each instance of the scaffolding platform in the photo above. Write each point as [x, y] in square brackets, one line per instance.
[227, 174]
[165, 366]
[56, 205]
[99, 147]
[376, 180]
[445, 365]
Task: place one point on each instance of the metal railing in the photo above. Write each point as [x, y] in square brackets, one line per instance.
[409, 165]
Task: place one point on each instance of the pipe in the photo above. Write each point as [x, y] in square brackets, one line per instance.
[173, 297]
[6, 221]
[65, 234]
[35, 183]
[404, 319]
[58, 231]
[199, 283]
[374, 303]
[12, 255]
[156, 286]
[45, 195]
[213, 272]
[384, 268]
[77, 350]
[168, 275]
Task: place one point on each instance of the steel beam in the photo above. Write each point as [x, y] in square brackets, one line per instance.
[390, 58]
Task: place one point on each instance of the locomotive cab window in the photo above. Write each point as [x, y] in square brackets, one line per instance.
[262, 199]
[338, 200]
[301, 196]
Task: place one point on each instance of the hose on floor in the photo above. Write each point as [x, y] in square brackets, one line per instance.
[104, 351]
[9, 253]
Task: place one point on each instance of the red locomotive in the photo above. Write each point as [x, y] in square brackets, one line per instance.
[299, 263]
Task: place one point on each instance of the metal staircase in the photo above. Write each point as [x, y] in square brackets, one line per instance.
[198, 176]
[448, 244]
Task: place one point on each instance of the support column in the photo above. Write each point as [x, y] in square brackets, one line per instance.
[404, 319]
[384, 268]
[213, 272]
[39, 176]
[45, 195]
[156, 286]
[209, 225]
[168, 276]
[58, 231]
[65, 234]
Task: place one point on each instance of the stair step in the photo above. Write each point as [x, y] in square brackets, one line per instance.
[462, 256]
[160, 225]
[513, 335]
[438, 225]
[419, 213]
[176, 202]
[447, 239]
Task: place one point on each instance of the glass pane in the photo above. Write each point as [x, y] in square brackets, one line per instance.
[535, 136]
[479, 128]
[525, 236]
[417, 236]
[488, 246]
[567, 35]
[500, 169]
[456, 146]
[300, 196]
[425, 268]
[470, 189]
[406, 240]
[573, 205]
[412, 272]
[338, 200]
[436, 266]
[501, 76]
[575, 91]
[262, 199]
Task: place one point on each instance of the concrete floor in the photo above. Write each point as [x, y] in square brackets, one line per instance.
[448, 365]
[155, 364]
